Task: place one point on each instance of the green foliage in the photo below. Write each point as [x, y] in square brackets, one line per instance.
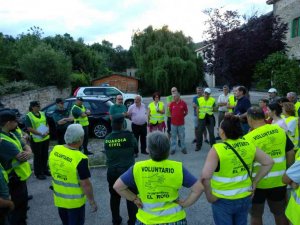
[166, 59]
[17, 87]
[45, 66]
[79, 80]
[279, 71]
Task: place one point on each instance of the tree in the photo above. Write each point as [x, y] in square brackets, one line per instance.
[279, 71]
[165, 59]
[238, 51]
[45, 66]
[218, 24]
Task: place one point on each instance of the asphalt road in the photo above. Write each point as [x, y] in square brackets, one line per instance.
[43, 212]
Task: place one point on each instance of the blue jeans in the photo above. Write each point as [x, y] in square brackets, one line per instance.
[74, 216]
[231, 212]
[180, 131]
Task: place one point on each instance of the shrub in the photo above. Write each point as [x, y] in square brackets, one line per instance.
[45, 66]
[17, 87]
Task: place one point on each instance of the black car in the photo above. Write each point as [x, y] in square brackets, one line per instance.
[99, 120]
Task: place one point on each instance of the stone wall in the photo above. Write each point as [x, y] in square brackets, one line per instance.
[288, 10]
[44, 95]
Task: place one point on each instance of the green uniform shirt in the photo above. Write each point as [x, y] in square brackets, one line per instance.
[61, 114]
[119, 147]
[116, 109]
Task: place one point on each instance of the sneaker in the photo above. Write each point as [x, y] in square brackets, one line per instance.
[172, 152]
[197, 149]
[206, 141]
[145, 153]
[184, 151]
[217, 138]
[194, 141]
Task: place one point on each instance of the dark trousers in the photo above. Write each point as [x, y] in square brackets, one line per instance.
[19, 195]
[169, 125]
[85, 139]
[209, 123]
[40, 156]
[112, 175]
[60, 134]
[140, 132]
[74, 216]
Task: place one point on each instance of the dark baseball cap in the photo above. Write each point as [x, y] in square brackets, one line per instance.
[59, 100]
[34, 103]
[118, 118]
[7, 115]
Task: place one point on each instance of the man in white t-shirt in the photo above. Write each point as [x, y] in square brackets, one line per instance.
[222, 106]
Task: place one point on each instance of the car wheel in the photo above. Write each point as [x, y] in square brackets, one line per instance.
[129, 103]
[100, 130]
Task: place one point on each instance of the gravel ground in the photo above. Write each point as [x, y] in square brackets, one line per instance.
[43, 212]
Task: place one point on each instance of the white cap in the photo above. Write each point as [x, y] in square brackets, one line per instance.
[207, 90]
[272, 90]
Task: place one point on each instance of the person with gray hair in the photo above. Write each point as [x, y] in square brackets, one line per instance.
[70, 174]
[222, 106]
[292, 97]
[158, 181]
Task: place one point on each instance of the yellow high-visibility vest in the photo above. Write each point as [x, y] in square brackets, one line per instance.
[232, 180]
[293, 208]
[63, 164]
[22, 169]
[84, 121]
[158, 184]
[36, 122]
[232, 102]
[156, 117]
[205, 106]
[271, 139]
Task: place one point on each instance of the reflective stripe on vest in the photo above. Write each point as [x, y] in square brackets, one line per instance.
[232, 180]
[68, 196]
[148, 207]
[156, 117]
[272, 174]
[63, 164]
[205, 106]
[276, 160]
[234, 192]
[35, 123]
[158, 184]
[271, 139]
[84, 121]
[22, 169]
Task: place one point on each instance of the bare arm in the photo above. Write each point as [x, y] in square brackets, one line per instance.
[87, 188]
[290, 158]
[25, 154]
[6, 204]
[196, 191]
[124, 191]
[266, 165]
[210, 166]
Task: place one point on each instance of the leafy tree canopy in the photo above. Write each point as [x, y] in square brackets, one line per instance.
[166, 59]
[279, 71]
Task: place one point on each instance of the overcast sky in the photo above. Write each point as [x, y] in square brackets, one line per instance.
[114, 20]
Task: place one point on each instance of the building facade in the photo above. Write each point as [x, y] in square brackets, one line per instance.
[122, 82]
[289, 12]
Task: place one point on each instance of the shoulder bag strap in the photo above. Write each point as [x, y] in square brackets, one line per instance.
[240, 158]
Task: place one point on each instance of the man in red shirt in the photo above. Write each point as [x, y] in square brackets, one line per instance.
[178, 110]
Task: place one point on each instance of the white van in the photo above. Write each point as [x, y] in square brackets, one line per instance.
[128, 98]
